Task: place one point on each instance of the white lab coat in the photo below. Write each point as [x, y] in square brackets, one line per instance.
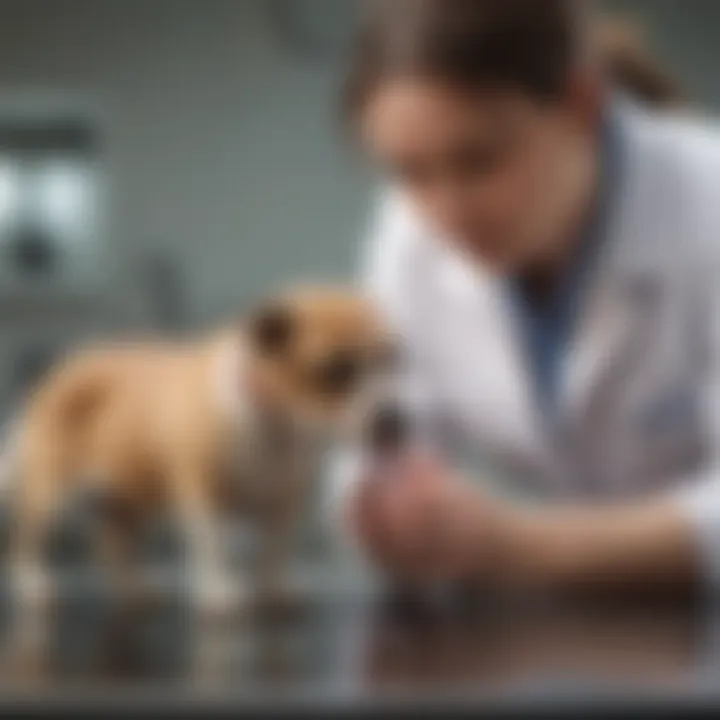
[639, 408]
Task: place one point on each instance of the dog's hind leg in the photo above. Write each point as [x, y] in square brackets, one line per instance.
[35, 508]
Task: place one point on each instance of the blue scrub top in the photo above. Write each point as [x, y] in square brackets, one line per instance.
[546, 327]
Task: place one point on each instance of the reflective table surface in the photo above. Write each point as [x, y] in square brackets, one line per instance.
[347, 653]
[347, 650]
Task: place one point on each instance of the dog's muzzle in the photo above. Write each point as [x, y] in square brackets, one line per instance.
[388, 430]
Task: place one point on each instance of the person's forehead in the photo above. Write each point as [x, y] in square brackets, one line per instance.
[407, 112]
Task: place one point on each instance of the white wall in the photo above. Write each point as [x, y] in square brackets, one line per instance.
[222, 144]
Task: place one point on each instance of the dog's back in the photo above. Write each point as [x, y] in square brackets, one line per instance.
[102, 416]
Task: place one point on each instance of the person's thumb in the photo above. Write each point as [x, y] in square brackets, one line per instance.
[422, 469]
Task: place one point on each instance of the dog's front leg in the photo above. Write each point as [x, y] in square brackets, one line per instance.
[32, 584]
[280, 532]
[292, 480]
[272, 582]
[214, 588]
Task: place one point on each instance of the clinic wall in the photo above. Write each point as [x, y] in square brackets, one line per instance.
[222, 143]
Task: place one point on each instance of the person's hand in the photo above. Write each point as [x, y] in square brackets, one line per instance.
[421, 522]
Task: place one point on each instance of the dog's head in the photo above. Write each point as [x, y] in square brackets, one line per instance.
[319, 356]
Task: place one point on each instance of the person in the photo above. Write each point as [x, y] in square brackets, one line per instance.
[546, 247]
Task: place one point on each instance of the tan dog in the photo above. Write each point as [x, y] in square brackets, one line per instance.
[225, 422]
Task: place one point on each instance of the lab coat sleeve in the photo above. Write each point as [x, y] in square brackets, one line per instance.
[700, 496]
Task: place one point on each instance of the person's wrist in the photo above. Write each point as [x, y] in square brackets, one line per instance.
[521, 549]
[496, 543]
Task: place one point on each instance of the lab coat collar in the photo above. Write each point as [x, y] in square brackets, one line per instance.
[642, 248]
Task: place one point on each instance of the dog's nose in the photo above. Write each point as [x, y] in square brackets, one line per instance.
[388, 430]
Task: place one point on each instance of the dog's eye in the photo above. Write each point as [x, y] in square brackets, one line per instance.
[339, 374]
[272, 329]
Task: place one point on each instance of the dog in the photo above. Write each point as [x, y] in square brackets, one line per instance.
[227, 422]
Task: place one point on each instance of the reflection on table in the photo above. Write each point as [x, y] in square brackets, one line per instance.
[371, 648]
[353, 647]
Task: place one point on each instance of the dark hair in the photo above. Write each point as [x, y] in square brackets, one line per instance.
[528, 46]
[632, 66]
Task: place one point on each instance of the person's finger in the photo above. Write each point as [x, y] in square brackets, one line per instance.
[423, 464]
[396, 518]
[436, 512]
[363, 516]
[378, 526]
[398, 513]
[405, 510]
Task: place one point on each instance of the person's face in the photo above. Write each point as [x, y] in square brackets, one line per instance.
[501, 176]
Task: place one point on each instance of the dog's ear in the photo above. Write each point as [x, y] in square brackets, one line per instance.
[271, 329]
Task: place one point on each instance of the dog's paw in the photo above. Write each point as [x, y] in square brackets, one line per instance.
[217, 595]
[32, 586]
[24, 649]
[279, 598]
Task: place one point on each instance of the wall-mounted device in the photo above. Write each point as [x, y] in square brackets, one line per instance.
[53, 289]
[49, 204]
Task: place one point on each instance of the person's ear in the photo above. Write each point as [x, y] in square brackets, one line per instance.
[271, 329]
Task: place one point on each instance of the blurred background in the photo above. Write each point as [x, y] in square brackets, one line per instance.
[163, 163]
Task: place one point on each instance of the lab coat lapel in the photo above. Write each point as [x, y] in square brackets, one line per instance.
[629, 277]
[607, 332]
[504, 392]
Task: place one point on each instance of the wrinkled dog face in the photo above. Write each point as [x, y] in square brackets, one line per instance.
[321, 356]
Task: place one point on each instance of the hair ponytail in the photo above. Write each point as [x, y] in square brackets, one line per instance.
[633, 68]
